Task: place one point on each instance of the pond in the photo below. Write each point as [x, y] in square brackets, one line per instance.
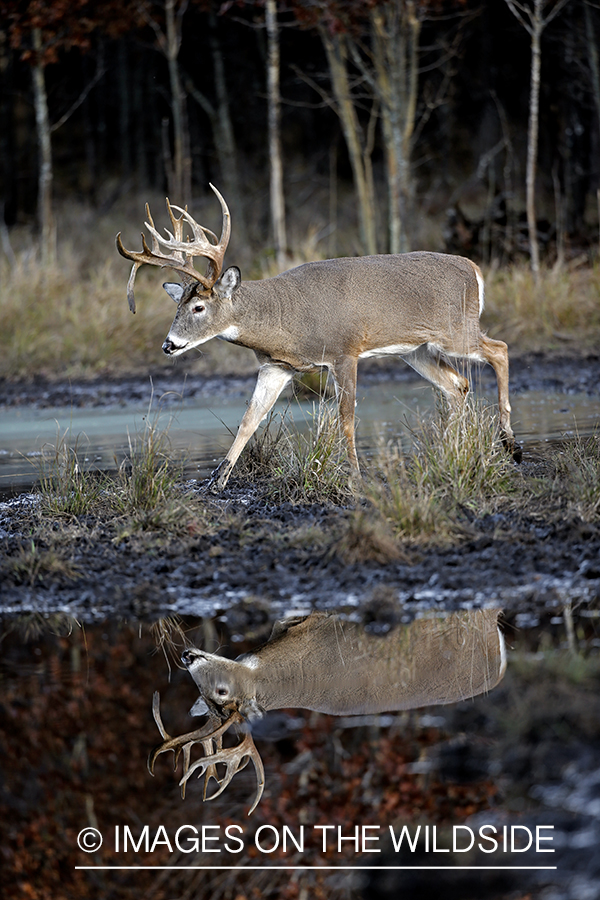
[202, 431]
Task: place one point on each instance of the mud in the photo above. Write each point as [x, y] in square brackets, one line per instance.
[274, 559]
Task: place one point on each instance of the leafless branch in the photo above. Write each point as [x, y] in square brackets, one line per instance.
[92, 84]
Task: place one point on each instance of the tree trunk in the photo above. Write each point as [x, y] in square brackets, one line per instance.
[275, 161]
[532, 19]
[8, 211]
[360, 161]
[224, 136]
[532, 139]
[45, 171]
[395, 30]
[182, 166]
[139, 102]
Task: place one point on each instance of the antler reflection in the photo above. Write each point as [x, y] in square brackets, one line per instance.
[211, 737]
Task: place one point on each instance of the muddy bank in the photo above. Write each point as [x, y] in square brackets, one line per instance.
[272, 560]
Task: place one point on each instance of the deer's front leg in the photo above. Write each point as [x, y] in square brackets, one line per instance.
[344, 373]
[269, 385]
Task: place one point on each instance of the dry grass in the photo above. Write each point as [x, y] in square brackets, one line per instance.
[72, 319]
[577, 476]
[300, 466]
[563, 308]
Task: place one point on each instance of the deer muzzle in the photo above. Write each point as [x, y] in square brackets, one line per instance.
[171, 349]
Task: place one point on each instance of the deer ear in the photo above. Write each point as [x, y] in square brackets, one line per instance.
[200, 708]
[174, 290]
[251, 710]
[229, 282]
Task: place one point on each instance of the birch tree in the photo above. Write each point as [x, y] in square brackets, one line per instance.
[274, 115]
[534, 18]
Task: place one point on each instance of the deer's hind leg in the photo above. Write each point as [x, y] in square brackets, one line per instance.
[496, 354]
[437, 370]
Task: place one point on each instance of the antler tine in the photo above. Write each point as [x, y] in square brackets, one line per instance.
[176, 223]
[226, 227]
[234, 758]
[182, 741]
[155, 247]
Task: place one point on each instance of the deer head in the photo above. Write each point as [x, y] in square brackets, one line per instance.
[203, 301]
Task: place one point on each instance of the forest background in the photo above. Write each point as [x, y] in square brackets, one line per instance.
[331, 128]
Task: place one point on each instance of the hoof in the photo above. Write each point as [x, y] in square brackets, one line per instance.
[511, 446]
[220, 477]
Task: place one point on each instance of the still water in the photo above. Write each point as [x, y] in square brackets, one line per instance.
[202, 433]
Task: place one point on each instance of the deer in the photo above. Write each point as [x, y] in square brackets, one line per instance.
[325, 663]
[422, 306]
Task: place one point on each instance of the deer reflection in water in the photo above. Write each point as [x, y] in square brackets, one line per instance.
[327, 664]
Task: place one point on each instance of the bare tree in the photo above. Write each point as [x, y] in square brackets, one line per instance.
[359, 141]
[534, 19]
[374, 57]
[45, 169]
[390, 67]
[179, 172]
[42, 51]
[275, 159]
[219, 114]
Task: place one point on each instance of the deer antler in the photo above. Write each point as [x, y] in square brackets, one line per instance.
[182, 252]
[234, 758]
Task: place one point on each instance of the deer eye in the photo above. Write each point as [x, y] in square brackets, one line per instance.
[222, 691]
[198, 308]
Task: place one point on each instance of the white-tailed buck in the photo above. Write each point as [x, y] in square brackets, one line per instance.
[329, 665]
[423, 307]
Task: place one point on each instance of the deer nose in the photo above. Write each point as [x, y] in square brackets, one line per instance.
[168, 347]
[188, 656]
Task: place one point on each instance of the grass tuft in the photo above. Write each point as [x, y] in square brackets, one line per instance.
[146, 493]
[459, 456]
[300, 466]
[457, 463]
[67, 485]
[577, 476]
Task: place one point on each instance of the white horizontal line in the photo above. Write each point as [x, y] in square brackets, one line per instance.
[349, 868]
